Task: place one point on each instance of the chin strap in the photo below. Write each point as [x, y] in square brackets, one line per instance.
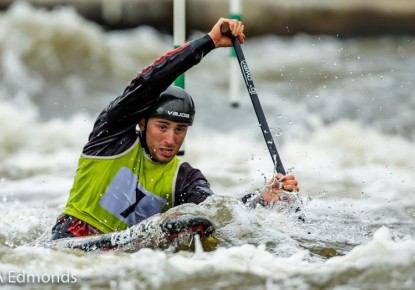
[142, 136]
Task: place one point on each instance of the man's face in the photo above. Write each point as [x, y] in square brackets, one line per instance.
[164, 138]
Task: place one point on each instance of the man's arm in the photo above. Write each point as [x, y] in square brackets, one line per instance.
[114, 130]
[191, 186]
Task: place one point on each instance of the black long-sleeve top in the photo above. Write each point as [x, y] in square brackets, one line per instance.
[115, 130]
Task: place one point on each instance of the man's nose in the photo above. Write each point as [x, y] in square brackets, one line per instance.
[169, 137]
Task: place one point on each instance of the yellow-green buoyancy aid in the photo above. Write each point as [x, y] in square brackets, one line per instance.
[115, 192]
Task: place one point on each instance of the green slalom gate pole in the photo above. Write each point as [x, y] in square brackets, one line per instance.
[179, 31]
[179, 37]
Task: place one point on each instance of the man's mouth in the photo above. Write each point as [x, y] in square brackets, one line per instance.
[167, 151]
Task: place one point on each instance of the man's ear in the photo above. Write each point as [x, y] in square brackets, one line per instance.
[141, 124]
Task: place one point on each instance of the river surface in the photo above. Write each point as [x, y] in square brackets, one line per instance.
[342, 115]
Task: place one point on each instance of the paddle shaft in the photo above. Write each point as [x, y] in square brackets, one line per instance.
[255, 100]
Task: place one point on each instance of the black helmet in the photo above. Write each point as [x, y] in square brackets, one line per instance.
[174, 104]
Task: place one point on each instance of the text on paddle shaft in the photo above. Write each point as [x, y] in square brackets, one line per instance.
[247, 76]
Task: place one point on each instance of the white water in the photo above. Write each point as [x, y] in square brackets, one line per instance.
[342, 116]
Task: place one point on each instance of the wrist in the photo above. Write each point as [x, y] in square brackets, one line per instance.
[270, 194]
[213, 39]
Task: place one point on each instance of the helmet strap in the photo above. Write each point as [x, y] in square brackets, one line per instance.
[143, 139]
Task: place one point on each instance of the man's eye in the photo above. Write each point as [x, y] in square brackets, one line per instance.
[181, 129]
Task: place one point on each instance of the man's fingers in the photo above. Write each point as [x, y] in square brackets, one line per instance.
[290, 184]
[287, 182]
[237, 29]
[290, 187]
[287, 177]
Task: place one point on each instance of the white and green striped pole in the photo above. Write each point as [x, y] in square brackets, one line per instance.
[235, 13]
[179, 31]
[179, 37]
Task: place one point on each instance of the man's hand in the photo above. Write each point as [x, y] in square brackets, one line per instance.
[272, 190]
[236, 28]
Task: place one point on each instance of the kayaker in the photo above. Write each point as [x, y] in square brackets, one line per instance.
[128, 170]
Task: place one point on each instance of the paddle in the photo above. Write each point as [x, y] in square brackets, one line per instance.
[255, 100]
